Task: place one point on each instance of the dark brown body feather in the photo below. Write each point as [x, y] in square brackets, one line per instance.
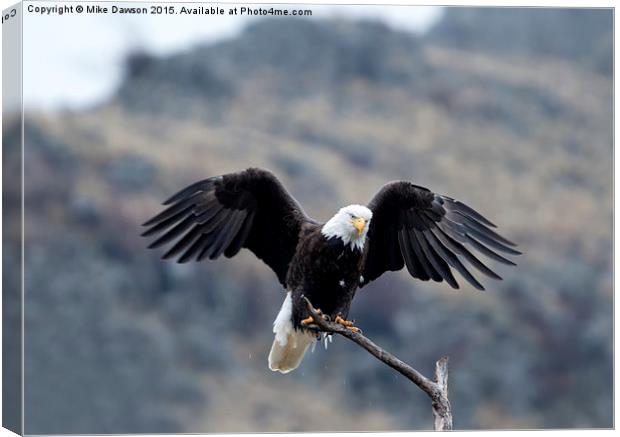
[326, 272]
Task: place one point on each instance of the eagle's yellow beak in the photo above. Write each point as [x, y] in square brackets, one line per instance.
[359, 224]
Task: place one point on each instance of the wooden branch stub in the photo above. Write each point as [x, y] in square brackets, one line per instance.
[442, 411]
[437, 390]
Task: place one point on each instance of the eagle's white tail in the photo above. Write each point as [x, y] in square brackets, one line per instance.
[289, 345]
[288, 357]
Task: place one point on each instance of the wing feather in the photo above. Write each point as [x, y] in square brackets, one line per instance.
[173, 233]
[165, 224]
[410, 258]
[437, 262]
[468, 211]
[208, 243]
[216, 221]
[417, 248]
[183, 243]
[226, 234]
[196, 246]
[233, 228]
[169, 212]
[237, 242]
[459, 249]
[203, 215]
[491, 242]
[457, 264]
[488, 252]
[474, 225]
[203, 186]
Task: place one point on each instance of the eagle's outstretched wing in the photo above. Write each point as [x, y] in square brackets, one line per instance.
[430, 234]
[222, 214]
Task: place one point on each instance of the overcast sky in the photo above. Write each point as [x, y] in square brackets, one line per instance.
[76, 60]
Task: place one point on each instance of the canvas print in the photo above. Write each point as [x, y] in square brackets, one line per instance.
[306, 218]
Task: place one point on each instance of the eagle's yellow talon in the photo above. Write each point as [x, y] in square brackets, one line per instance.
[343, 322]
[347, 324]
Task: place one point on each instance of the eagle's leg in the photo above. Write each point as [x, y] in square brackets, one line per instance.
[347, 324]
[310, 320]
[307, 321]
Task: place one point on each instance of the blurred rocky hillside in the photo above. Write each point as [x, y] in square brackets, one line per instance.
[119, 341]
[583, 36]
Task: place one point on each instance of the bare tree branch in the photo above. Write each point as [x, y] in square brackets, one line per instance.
[437, 390]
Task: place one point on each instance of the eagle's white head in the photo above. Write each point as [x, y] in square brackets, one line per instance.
[350, 224]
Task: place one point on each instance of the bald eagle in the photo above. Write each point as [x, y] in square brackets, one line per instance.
[403, 225]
